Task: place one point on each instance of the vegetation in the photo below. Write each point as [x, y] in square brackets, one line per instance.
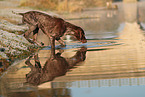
[40, 4]
[63, 5]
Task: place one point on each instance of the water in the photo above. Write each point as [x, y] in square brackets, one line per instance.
[110, 64]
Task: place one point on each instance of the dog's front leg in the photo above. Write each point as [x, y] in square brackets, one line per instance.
[34, 40]
[52, 40]
[27, 33]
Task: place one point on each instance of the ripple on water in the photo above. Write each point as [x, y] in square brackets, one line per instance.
[88, 45]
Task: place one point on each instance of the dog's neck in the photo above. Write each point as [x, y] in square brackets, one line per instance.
[69, 25]
[70, 28]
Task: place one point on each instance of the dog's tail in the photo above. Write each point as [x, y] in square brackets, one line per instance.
[17, 13]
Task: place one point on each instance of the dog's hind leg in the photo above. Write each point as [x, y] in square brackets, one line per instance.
[28, 32]
[35, 33]
[52, 40]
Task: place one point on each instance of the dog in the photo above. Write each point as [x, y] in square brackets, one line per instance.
[53, 27]
[54, 66]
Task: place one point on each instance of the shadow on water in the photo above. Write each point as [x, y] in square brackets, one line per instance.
[87, 45]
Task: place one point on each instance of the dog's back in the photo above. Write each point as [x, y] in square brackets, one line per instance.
[33, 17]
[53, 27]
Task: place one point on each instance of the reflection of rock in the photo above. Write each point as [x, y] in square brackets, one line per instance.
[132, 34]
[133, 40]
[130, 12]
[4, 64]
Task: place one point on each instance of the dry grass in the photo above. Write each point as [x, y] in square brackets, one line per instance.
[95, 3]
[70, 6]
[63, 5]
[39, 4]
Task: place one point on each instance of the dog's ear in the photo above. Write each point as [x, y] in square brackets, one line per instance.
[70, 31]
[81, 34]
[77, 34]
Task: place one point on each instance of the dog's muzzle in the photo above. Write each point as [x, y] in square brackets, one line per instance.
[84, 40]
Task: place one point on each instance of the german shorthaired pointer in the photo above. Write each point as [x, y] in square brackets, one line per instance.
[53, 27]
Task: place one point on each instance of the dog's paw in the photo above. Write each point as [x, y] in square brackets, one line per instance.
[63, 44]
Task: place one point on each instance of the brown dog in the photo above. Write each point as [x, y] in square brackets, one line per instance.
[54, 66]
[53, 27]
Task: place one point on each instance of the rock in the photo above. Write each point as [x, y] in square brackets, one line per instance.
[13, 46]
[6, 26]
[11, 42]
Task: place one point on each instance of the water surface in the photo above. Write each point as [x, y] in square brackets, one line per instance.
[114, 64]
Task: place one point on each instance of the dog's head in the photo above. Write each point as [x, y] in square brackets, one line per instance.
[80, 35]
[76, 31]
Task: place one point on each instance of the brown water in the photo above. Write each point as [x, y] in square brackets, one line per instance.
[113, 66]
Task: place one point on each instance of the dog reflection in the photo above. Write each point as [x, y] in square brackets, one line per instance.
[55, 66]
